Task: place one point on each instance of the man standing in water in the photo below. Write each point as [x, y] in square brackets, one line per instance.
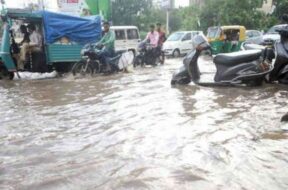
[107, 43]
[162, 39]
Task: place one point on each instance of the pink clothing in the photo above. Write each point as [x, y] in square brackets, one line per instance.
[153, 38]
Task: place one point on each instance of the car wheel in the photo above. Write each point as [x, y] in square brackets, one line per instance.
[176, 53]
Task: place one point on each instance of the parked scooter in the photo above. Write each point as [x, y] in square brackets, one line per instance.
[91, 64]
[280, 71]
[280, 53]
[148, 55]
[245, 68]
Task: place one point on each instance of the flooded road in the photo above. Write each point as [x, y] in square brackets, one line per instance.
[133, 131]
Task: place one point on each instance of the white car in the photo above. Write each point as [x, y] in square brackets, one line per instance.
[127, 38]
[272, 35]
[179, 43]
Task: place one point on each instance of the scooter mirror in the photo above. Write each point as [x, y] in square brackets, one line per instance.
[285, 18]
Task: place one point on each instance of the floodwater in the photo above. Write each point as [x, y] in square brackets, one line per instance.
[134, 131]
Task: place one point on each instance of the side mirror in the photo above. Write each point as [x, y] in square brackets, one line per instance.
[285, 18]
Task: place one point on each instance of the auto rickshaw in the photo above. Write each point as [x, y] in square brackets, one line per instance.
[226, 39]
[63, 38]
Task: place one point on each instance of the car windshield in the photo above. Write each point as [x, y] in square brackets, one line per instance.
[213, 32]
[272, 30]
[176, 36]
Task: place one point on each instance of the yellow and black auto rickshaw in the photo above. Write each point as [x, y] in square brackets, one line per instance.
[225, 39]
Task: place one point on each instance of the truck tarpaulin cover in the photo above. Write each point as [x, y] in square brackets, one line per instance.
[77, 29]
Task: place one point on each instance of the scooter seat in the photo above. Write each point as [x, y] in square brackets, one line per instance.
[119, 52]
[229, 59]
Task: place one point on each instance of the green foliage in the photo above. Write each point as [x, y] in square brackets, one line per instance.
[126, 12]
[213, 13]
[232, 12]
[281, 8]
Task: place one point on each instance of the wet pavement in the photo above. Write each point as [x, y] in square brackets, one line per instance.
[134, 131]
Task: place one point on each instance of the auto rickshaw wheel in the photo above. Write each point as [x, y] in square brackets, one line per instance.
[5, 74]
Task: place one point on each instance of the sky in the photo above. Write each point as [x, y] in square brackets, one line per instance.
[20, 3]
[181, 3]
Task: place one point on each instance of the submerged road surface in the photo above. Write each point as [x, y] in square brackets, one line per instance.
[134, 131]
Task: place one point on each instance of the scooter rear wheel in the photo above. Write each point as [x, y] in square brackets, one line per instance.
[82, 69]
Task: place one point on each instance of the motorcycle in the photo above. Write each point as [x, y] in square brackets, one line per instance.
[148, 55]
[245, 68]
[91, 64]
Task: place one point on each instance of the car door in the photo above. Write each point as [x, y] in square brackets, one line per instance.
[186, 43]
[133, 39]
[258, 38]
[121, 40]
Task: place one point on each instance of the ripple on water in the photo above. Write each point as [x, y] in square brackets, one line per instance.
[133, 131]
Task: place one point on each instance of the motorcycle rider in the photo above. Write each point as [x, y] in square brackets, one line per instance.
[153, 36]
[107, 44]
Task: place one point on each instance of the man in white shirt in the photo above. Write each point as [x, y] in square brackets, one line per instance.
[35, 44]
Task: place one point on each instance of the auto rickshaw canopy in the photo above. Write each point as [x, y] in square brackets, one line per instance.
[217, 33]
[242, 30]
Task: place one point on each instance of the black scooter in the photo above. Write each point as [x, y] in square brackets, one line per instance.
[148, 55]
[280, 53]
[245, 68]
[280, 71]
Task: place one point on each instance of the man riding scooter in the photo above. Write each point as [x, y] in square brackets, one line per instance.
[107, 44]
[153, 36]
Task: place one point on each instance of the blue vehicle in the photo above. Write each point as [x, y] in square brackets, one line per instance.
[63, 38]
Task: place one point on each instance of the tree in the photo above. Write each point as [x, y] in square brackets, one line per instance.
[189, 18]
[231, 12]
[281, 8]
[127, 12]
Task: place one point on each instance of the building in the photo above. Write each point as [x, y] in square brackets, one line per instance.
[268, 7]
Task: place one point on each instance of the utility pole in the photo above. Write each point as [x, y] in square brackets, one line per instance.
[167, 21]
[168, 5]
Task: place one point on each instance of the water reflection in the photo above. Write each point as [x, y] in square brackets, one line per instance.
[133, 131]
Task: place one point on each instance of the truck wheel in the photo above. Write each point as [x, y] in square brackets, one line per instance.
[176, 53]
[5, 74]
